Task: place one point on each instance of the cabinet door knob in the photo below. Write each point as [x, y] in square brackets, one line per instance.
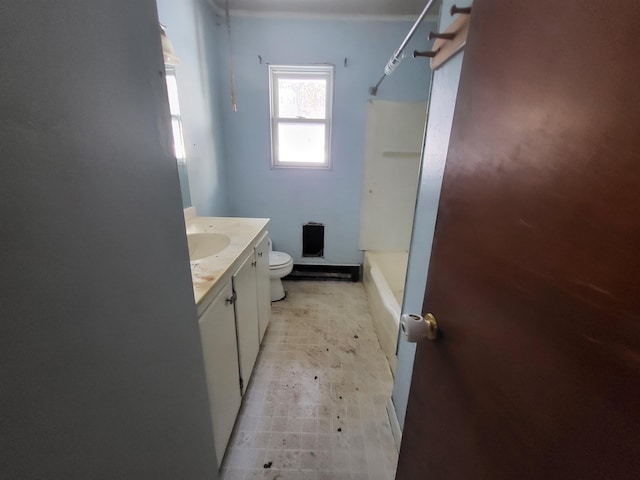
[259, 254]
[232, 299]
[253, 264]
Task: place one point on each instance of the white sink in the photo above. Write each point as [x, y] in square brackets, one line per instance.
[203, 245]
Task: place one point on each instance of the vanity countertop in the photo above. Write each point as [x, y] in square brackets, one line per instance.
[210, 274]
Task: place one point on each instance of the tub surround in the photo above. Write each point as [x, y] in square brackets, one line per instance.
[210, 274]
[384, 279]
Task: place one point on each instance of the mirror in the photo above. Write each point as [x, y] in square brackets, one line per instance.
[178, 138]
[171, 59]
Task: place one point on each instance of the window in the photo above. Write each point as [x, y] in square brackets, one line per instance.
[176, 117]
[300, 115]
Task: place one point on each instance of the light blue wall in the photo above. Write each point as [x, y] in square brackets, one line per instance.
[293, 197]
[440, 117]
[191, 27]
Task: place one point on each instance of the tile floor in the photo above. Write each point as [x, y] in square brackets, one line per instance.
[315, 408]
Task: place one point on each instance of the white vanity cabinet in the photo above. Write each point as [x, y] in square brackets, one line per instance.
[246, 308]
[261, 252]
[233, 323]
[220, 351]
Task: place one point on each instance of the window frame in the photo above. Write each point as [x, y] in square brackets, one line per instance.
[277, 72]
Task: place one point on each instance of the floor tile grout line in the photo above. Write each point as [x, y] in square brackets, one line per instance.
[277, 362]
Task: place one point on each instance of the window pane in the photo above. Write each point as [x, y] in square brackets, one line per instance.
[302, 98]
[178, 142]
[172, 90]
[301, 143]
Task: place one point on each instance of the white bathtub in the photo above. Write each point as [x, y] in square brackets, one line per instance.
[384, 275]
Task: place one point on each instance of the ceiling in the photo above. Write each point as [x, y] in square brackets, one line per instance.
[411, 8]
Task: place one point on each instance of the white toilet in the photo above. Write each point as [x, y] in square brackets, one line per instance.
[280, 265]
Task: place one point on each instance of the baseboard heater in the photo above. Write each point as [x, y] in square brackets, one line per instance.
[307, 271]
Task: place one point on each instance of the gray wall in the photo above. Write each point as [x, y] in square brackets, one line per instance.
[192, 28]
[444, 91]
[101, 372]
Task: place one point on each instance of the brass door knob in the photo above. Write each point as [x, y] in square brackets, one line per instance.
[432, 327]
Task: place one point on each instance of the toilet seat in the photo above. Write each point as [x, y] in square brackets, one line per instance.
[278, 259]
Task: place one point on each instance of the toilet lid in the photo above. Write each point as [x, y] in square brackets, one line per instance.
[277, 259]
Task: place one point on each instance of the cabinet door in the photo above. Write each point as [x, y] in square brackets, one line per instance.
[264, 286]
[244, 286]
[218, 333]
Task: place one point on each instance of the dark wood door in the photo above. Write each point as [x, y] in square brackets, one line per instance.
[535, 272]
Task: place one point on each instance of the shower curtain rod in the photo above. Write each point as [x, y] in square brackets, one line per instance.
[397, 55]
